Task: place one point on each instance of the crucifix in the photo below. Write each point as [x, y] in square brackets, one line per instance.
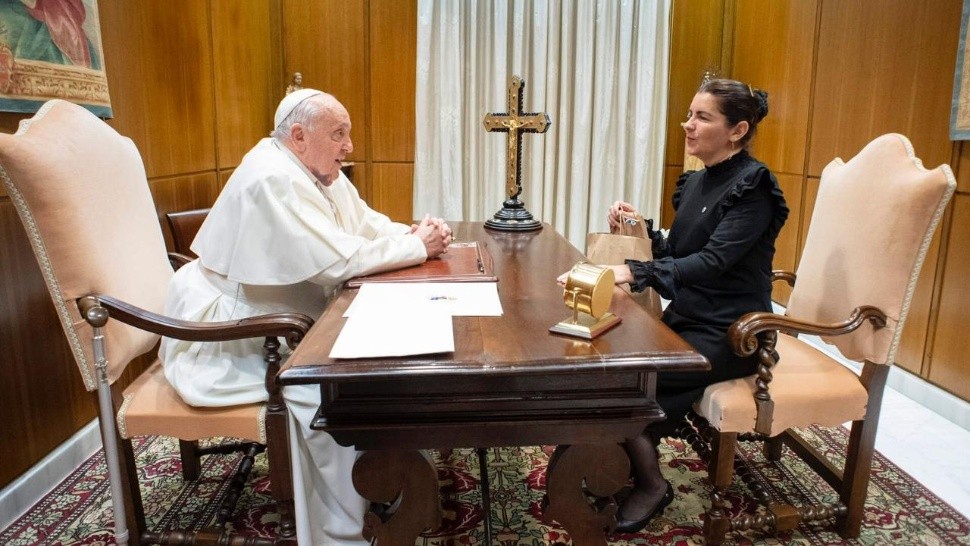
[513, 216]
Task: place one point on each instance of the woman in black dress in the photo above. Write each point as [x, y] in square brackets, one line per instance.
[714, 266]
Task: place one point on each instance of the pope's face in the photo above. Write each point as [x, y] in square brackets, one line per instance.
[326, 142]
[709, 137]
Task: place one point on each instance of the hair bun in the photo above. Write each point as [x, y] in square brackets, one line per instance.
[762, 97]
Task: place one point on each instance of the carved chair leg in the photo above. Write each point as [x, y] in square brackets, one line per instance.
[721, 473]
[135, 511]
[773, 448]
[280, 472]
[855, 476]
[859, 452]
[191, 462]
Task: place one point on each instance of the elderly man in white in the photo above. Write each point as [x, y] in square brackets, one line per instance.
[285, 232]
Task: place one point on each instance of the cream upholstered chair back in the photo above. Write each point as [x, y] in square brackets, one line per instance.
[81, 192]
[871, 227]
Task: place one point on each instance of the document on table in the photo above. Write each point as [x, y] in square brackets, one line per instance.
[400, 319]
[395, 331]
[459, 299]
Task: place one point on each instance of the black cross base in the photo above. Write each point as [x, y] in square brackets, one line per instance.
[513, 217]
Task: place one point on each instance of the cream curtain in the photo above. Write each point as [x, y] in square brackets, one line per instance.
[598, 68]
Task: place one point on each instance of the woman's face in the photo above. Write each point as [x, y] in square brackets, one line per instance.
[708, 135]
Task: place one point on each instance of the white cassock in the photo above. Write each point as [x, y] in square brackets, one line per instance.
[277, 241]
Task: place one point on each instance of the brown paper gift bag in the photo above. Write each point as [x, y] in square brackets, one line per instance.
[630, 243]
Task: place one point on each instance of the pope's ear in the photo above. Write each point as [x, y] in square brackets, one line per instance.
[297, 134]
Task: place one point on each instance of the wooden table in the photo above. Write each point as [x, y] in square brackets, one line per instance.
[510, 382]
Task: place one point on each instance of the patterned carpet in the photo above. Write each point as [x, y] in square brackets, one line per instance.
[899, 510]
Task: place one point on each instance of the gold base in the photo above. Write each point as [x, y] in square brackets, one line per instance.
[586, 326]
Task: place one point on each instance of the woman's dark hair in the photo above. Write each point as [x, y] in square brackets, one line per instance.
[738, 102]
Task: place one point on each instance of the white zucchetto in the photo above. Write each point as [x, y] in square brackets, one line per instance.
[290, 102]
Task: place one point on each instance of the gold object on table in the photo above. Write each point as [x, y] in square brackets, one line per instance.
[588, 292]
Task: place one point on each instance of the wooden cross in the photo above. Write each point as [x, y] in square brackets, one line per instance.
[515, 122]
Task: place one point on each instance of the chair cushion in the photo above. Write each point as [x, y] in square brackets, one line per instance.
[152, 407]
[808, 387]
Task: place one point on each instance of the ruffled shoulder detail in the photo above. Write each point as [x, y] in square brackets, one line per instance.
[753, 176]
[679, 189]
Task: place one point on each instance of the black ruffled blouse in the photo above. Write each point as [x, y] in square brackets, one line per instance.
[715, 264]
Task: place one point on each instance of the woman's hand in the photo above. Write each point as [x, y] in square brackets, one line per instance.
[621, 275]
[617, 209]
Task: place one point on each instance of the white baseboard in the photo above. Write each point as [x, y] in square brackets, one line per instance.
[24, 492]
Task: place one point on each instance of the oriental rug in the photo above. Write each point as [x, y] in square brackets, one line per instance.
[899, 510]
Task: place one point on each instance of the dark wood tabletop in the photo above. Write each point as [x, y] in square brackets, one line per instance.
[519, 342]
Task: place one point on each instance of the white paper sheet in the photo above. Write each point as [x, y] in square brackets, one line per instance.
[459, 299]
[395, 332]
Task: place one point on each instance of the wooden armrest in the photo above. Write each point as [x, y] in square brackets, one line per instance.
[178, 260]
[782, 275]
[743, 334]
[292, 326]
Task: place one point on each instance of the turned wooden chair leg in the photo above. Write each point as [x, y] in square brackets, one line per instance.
[773, 448]
[281, 471]
[191, 462]
[721, 473]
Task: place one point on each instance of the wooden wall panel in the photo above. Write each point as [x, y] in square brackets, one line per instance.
[249, 79]
[912, 345]
[695, 48]
[787, 248]
[809, 194]
[223, 177]
[961, 166]
[393, 53]
[327, 42]
[42, 397]
[392, 185]
[671, 174]
[949, 366]
[159, 65]
[774, 44]
[884, 66]
[187, 192]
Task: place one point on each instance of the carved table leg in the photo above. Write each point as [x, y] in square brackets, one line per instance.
[604, 469]
[380, 476]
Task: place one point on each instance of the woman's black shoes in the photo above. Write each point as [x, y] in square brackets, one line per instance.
[634, 526]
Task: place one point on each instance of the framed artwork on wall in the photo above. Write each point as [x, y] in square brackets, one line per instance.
[51, 49]
[960, 109]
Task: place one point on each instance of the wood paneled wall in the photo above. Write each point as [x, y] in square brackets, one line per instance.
[195, 88]
[840, 73]
[363, 52]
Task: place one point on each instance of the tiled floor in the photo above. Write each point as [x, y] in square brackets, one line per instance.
[928, 447]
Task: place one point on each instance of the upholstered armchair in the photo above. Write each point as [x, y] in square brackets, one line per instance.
[872, 224]
[81, 192]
